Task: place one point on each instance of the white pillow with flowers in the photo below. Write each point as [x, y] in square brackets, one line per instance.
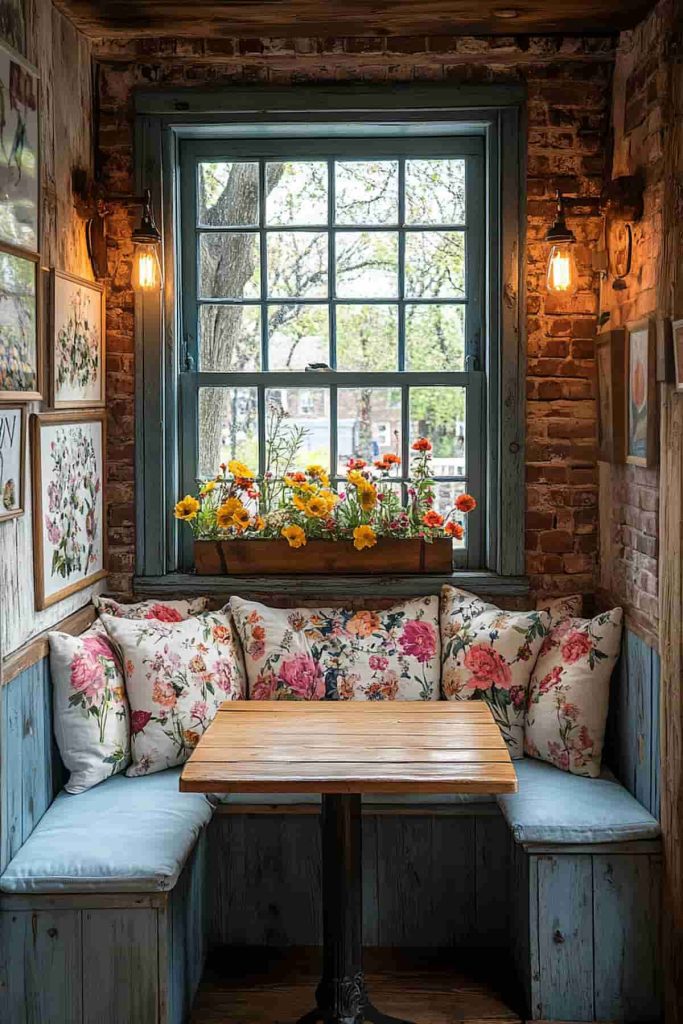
[177, 675]
[569, 693]
[489, 654]
[339, 653]
[167, 611]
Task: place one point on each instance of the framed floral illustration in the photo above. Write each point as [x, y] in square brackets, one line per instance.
[641, 414]
[19, 152]
[677, 330]
[12, 451]
[68, 506]
[609, 361]
[20, 357]
[76, 342]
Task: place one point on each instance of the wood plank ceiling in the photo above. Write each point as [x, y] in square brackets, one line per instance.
[287, 18]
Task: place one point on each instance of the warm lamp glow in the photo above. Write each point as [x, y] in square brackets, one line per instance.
[146, 268]
[561, 276]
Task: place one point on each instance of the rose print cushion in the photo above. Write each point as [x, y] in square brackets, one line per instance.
[340, 654]
[177, 675]
[489, 654]
[91, 717]
[560, 608]
[167, 611]
[569, 693]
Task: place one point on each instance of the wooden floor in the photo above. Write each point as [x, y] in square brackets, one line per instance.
[270, 986]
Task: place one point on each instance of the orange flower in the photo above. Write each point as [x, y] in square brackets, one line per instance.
[422, 445]
[258, 523]
[363, 537]
[381, 464]
[432, 518]
[454, 530]
[294, 535]
[465, 503]
[391, 459]
[356, 464]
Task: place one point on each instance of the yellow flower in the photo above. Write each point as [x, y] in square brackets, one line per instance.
[187, 508]
[299, 502]
[367, 497]
[226, 514]
[241, 518]
[239, 469]
[299, 485]
[319, 473]
[364, 537]
[258, 523]
[317, 507]
[356, 478]
[207, 488]
[295, 536]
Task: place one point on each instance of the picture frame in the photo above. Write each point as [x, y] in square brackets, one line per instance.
[677, 331]
[610, 349]
[21, 351]
[19, 152]
[641, 387]
[69, 474]
[12, 461]
[77, 342]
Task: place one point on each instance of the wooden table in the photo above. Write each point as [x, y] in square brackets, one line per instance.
[344, 749]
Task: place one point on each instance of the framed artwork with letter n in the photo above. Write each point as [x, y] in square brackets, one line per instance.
[641, 407]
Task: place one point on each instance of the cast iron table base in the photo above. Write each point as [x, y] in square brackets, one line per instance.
[341, 995]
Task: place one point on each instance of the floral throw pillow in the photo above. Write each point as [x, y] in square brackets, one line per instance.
[489, 654]
[166, 611]
[91, 717]
[177, 676]
[340, 654]
[560, 608]
[569, 693]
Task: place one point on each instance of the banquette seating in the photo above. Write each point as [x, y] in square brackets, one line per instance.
[110, 899]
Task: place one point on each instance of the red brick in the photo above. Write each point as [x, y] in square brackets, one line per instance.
[556, 541]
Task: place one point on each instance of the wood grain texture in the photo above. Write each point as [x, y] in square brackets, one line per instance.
[565, 938]
[120, 967]
[40, 966]
[333, 747]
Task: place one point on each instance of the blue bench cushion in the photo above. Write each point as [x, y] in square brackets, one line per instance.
[124, 835]
[553, 806]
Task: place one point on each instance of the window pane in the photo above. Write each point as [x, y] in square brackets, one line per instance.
[367, 264]
[229, 265]
[297, 264]
[366, 192]
[296, 193]
[307, 409]
[367, 337]
[297, 335]
[439, 414]
[435, 191]
[435, 337]
[228, 428]
[435, 264]
[228, 194]
[229, 338]
[368, 423]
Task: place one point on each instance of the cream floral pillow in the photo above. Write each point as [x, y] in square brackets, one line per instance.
[489, 654]
[91, 717]
[166, 611]
[177, 675]
[560, 608]
[569, 693]
[340, 654]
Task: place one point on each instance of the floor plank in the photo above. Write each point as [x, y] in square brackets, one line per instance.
[271, 986]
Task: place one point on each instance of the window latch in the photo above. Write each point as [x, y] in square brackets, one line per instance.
[471, 363]
[186, 360]
[316, 367]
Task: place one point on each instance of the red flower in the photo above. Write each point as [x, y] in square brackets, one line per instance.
[422, 445]
[391, 459]
[455, 530]
[465, 503]
[356, 464]
[164, 613]
[488, 668]
[138, 721]
[418, 640]
[576, 645]
[432, 518]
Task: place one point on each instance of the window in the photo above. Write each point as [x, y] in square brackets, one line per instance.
[335, 287]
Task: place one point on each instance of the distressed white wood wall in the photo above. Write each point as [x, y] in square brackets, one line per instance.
[63, 59]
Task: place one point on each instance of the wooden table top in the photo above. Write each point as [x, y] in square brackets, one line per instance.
[351, 747]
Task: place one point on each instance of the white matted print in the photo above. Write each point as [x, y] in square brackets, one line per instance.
[68, 524]
[12, 448]
[76, 342]
[19, 168]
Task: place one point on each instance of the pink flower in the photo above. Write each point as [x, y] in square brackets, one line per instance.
[164, 694]
[223, 676]
[98, 646]
[552, 679]
[418, 640]
[577, 645]
[378, 662]
[138, 721]
[518, 697]
[164, 613]
[303, 676]
[200, 709]
[570, 711]
[265, 688]
[87, 675]
[488, 668]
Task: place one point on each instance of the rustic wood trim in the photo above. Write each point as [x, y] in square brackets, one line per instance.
[627, 848]
[50, 322]
[83, 901]
[368, 810]
[39, 647]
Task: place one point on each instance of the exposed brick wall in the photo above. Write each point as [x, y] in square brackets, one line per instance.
[568, 81]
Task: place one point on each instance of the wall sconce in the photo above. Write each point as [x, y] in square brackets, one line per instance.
[147, 239]
[561, 276]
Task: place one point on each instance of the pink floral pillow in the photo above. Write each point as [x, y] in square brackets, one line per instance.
[91, 717]
[177, 676]
[165, 611]
[560, 608]
[340, 654]
[569, 693]
[489, 654]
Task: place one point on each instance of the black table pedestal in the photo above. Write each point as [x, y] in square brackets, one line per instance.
[341, 995]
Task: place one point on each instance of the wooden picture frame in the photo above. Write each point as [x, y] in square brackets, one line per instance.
[55, 435]
[677, 331]
[20, 335]
[641, 389]
[610, 351]
[12, 461]
[77, 342]
[20, 135]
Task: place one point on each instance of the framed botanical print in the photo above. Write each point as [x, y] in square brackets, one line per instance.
[677, 329]
[19, 152]
[76, 339]
[12, 454]
[69, 538]
[641, 413]
[20, 354]
[609, 363]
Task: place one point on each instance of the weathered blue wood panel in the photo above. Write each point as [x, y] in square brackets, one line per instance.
[184, 946]
[492, 887]
[120, 966]
[40, 966]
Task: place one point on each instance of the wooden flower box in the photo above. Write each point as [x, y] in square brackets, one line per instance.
[321, 557]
